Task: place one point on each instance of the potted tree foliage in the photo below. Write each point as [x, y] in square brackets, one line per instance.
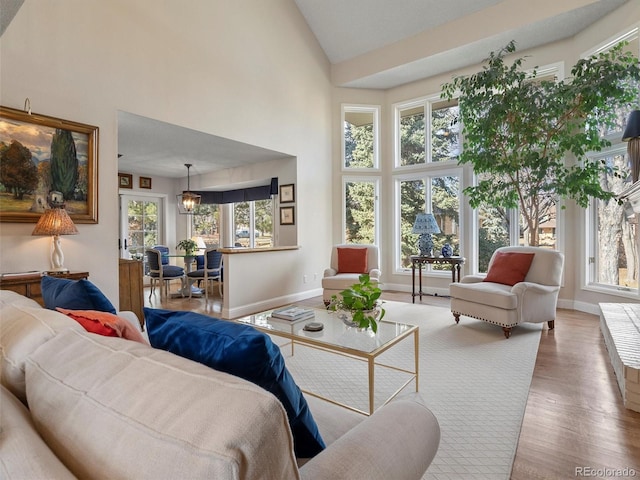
[360, 304]
[517, 131]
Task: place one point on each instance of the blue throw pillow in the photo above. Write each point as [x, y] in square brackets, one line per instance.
[73, 295]
[240, 350]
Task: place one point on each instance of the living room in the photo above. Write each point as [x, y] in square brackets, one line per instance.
[95, 90]
[252, 72]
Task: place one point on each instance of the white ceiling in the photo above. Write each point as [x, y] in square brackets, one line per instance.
[150, 146]
[354, 33]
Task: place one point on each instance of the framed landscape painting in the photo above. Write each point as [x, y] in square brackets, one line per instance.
[41, 155]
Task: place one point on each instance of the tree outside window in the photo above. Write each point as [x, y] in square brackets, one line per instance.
[360, 198]
[206, 224]
[360, 141]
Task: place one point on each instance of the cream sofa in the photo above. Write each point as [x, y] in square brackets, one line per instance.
[104, 407]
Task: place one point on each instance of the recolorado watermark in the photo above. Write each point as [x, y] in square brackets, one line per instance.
[605, 472]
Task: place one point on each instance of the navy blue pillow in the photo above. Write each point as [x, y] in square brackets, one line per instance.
[240, 350]
[73, 294]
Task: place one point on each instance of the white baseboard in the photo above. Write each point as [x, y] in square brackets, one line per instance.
[440, 292]
[245, 310]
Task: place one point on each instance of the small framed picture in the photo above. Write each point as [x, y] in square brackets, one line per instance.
[125, 180]
[145, 182]
[287, 216]
[287, 193]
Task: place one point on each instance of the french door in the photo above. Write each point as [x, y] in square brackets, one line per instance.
[140, 225]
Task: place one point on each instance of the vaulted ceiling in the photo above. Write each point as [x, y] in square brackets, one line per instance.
[386, 43]
[377, 44]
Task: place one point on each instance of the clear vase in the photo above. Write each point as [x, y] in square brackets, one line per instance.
[347, 317]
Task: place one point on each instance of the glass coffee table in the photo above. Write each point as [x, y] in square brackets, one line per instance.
[337, 338]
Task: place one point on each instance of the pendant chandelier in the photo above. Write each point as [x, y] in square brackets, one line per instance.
[188, 200]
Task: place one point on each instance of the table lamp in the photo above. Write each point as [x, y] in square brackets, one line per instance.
[55, 222]
[425, 225]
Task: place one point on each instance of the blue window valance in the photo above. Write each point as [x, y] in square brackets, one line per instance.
[261, 192]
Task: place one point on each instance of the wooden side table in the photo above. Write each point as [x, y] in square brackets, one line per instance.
[419, 260]
[131, 287]
[29, 284]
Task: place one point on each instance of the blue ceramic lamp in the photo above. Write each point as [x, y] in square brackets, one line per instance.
[425, 224]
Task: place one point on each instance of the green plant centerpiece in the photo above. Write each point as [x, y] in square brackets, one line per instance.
[189, 246]
[361, 300]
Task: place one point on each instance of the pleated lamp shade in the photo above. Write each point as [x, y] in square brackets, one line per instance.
[55, 222]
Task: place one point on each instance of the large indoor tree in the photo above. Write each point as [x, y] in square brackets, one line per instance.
[518, 131]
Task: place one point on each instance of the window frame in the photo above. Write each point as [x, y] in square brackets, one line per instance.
[588, 265]
[357, 108]
[252, 223]
[376, 180]
[426, 174]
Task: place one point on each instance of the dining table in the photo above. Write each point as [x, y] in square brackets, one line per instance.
[189, 263]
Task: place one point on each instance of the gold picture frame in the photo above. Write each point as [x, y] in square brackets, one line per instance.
[125, 180]
[287, 193]
[287, 216]
[145, 182]
[29, 140]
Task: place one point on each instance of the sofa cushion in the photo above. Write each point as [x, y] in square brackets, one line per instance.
[509, 268]
[73, 294]
[111, 408]
[23, 453]
[22, 330]
[104, 323]
[352, 260]
[485, 293]
[239, 350]
[340, 281]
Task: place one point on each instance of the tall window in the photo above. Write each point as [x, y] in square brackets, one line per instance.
[442, 132]
[436, 193]
[360, 195]
[612, 255]
[207, 224]
[360, 137]
[429, 150]
[253, 223]
[360, 200]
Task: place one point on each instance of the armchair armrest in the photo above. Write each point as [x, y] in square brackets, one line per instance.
[537, 303]
[398, 441]
[472, 279]
[522, 287]
[330, 272]
[374, 274]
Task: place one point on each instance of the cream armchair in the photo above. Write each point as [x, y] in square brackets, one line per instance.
[532, 300]
[334, 280]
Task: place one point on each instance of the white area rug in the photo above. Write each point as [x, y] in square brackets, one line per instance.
[474, 380]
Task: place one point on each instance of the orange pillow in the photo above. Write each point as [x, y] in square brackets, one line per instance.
[352, 260]
[509, 268]
[104, 323]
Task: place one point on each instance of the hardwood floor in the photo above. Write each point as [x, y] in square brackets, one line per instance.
[574, 424]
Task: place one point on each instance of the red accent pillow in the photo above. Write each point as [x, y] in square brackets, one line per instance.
[509, 268]
[104, 323]
[352, 260]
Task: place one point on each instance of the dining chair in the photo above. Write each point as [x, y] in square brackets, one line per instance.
[211, 271]
[162, 273]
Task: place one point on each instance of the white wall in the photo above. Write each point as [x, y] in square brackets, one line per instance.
[249, 71]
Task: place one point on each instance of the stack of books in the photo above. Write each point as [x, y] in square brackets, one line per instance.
[293, 313]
